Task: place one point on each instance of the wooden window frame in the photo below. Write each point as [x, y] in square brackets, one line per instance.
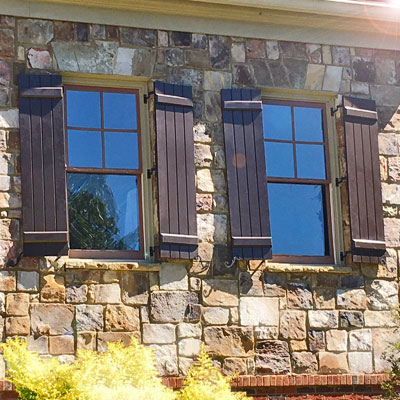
[325, 183]
[109, 254]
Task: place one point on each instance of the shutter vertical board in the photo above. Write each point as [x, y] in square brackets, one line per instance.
[246, 174]
[175, 171]
[364, 184]
[44, 198]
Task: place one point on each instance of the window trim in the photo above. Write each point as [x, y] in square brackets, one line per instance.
[333, 202]
[146, 208]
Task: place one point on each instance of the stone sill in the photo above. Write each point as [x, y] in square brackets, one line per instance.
[109, 265]
[316, 269]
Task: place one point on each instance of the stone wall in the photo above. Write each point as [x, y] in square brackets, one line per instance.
[260, 318]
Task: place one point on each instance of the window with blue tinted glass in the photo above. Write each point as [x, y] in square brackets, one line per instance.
[104, 172]
[298, 180]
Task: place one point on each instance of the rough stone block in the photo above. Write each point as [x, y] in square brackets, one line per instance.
[39, 58]
[138, 37]
[189, 330]
[89, 318]
[124, 60]
[336, 340]
[135, 288]
[86, 341]
[76, 294]
[382, 295]
[215, 315]
[379, 319]
[166, 359]
[7, 281]
[351, 299]
[17, 304]
[238, 52]
[332, 79]
[7, 42]
[255, 311]
[229, 341]
[351, 319]
[105, 294]
[122, 318]
[61, 345]
[220, 292]
[273, 357]
[325, 298]
[382, 339]
[333, 363]
[173, 277]
[53, 289]
[17, 326]
[9, 118]
[233, 365]
[314, 77]
[158, 333]
[266, 332]
[39, 344]
[272, 49]
[293, 325]
[220, 52]
[250, 284]
[35, 31]
[112, 337]
[304, 363]
[299, 295]
[28, 281]
[322, 319]
[51, 319]
[360, 340]
[172, 306]
[360, 363]
[189, 347]
[341, 55]
[316, 340]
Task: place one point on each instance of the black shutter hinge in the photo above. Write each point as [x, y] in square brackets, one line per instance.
[339, 181]
[150, 172]
[146, 97]
[335, 110]
[152, 251]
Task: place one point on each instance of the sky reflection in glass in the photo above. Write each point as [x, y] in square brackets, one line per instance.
[84, 149]
[277, 121]
[297, 219]
[279, 157]
[308, 124]
[310, 161]
[121, 150]
[119, 111]
[83, 109]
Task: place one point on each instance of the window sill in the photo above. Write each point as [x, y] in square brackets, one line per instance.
[316, 269]
[102, 264]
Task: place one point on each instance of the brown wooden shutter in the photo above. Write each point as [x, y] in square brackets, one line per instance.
[245, 162]
[44, 197]
[364, 184]
[175, 171]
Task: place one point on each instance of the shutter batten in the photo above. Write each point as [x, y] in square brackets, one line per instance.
[44, 197]
[364, 184]
[175, 171]
[246, 175]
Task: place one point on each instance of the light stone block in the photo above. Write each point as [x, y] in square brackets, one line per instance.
[336, 340]
[215, 315]
[166, 359]
[123, 62]
[158, 333]
[314, 77]
[360, 363]
[360, 340]
[323, 319]
[173, 277]
[189, 347]
[185, 330]
[333, 77]
[28, 281]
[9, 118]
[256, 311]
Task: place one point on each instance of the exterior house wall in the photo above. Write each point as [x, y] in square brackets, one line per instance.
[260, 318]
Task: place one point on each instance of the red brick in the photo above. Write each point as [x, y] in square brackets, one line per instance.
[279, 380]
[267, 381]
[324, 380]
[259, 380]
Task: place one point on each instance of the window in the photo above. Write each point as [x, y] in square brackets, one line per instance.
[104, 172]
[298, 178]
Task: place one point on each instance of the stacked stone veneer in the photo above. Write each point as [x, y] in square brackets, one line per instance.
[254, 319]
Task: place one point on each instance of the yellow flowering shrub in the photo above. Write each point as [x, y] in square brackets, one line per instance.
[205, 382]
[120, 373]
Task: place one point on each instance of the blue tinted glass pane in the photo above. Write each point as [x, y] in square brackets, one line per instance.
[83, 109]
[84, 149]
[297, 219]
[277, 122]
[119, 111]
[308, 124]
[310, 161]
[121, 150]
[279, 157]
[103, 212]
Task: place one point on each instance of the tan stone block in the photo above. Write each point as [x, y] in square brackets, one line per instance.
[111, 276]
[61, 345]
[105, 293]
[53, 289]
[17, 326]
[333, 363]
[52, 319]
[336, 340]
[298, 345]
[7, 281]
[39, 344]
[135, 287]
[392, 231]
[315, 77]
[111, 337]
[233, 365]
[324, 298]
[86, 341]
[122, 318]
[352, 299]
[251, 283]
[220, 292]
[293, 325]
[17, 304]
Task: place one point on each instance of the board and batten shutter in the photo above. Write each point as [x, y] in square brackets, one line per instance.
[43, 176]
[175, 171]
[363, 177]
[246, 174]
